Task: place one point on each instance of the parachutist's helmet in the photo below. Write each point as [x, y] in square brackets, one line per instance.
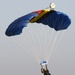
[44, 63]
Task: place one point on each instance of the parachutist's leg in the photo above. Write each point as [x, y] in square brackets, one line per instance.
[46, 66]
[42, 71]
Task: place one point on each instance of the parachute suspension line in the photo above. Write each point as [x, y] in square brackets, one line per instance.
[23, 45]
[52, 47]
[34, 41]
[59, 35]
[52, 42]
[29, 49]
[39, 41]
[45, 41]
[54, 39]
[42, 40]
[62, 34]
[49, 43]
[26, 42]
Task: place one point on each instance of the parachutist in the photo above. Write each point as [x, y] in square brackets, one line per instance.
[44, 69]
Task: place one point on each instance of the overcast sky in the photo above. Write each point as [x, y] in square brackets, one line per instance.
[14, 60]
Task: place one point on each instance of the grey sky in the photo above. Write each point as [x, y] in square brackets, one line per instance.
[14, 60]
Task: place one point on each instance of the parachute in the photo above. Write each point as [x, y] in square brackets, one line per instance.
[49, 19]
[54, 19]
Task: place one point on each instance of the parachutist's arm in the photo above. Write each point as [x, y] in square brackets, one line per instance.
[41, 65]
[41, 68]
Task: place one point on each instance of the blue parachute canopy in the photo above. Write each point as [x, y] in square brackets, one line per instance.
[16, 27]
[54, 19]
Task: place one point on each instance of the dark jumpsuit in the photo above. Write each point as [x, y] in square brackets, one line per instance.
[45, 72]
